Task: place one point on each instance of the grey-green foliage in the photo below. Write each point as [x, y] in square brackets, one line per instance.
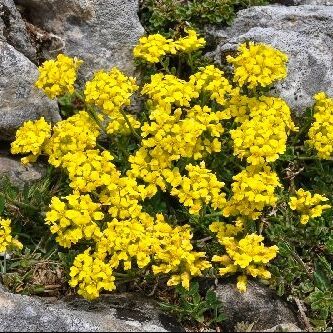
[193, 307]
[165, 16]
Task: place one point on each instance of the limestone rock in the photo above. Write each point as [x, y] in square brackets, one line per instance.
[258, 305]
[13, 29]
[19, 99]
[102, 33]
[116, 313]
[313, 2]
[19, 174]
[305, 33]
[288, 327]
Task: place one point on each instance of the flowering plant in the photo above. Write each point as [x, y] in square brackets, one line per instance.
[176, 152]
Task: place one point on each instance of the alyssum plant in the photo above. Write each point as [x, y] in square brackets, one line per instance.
[204, 148]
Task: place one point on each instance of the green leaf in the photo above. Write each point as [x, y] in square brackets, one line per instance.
[2, 204]
[321, 279]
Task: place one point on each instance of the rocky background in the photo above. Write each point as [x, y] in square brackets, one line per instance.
[102, 33]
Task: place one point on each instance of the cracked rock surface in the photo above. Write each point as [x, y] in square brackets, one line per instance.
[114, 313]
[100, 32]
[304, 33]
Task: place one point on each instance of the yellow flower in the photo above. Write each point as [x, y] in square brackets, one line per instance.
[75, 134]
[90, 169]
[258, 65]
[200, 188]
[57, 77]
[91, 274]
[308, 205]
[175, 255]
[168, 89]
[118, 125]
[242, 283]
[152, 48]
[110, 91]
[7, 242]
[211, 80]
[321, 130]
[253, 190]
[74, 219]
[248, 255]
[262, 137]
[189, 43]
[31, 137]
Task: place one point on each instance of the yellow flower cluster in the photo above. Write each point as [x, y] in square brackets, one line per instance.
[189, 43]
[89, 169]
[191, 133]
[152, 48]
[321, 130]
[118, 124]
[143, 239]
[31, 138]
[75, 134]
[91, 275]
[223, 229]
[175, 255]
[258, 65]
[110, 91]
[248, 255]
[57, 77]
[200, 188]
[127, 239]
[211, 80]
[168, 89]
[308, 205]
[262, 137]
[106, 208]
[74, 219]
[239, 106]
[7, 242]
[253, 190]
[123, 196]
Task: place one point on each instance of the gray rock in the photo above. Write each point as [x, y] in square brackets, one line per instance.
[20, 174]
[313, 2]
[13, 29]
[305, 33]
[288, 327]
[259, 305]
[303, 2]
[19, 99]
[116, 313]
[102, 33]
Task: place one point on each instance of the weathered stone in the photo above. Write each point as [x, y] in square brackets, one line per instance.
[19, 174]
[305, 33]
[288, 327]
[102, 33]
[313, 2]
[304, 2]
[258, 305]
[116, 313]
[13, 29]
[19, 99]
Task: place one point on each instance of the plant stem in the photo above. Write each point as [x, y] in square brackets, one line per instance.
[165, 67]
[5, 263]
[137, 136]
[214, 214]
[94, 116]
[100, 146]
